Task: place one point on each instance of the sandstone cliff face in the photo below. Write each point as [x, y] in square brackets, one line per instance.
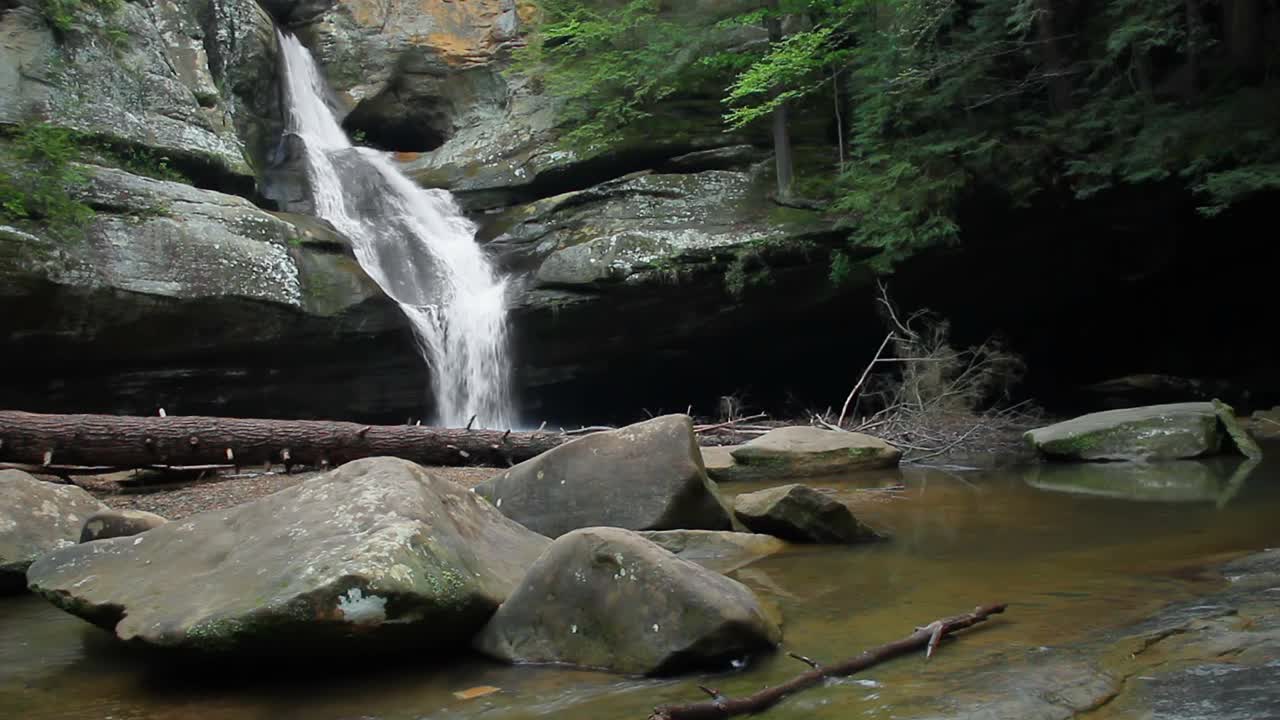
[205, 300]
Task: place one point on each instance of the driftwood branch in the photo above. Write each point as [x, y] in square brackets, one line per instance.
[927, 637]
[105, 442]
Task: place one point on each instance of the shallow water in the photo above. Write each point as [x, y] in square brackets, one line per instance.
[1069, 553]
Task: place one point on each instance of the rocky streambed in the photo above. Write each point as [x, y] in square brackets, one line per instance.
[1116, 600]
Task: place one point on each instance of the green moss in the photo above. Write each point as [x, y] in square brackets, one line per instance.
[38, 180]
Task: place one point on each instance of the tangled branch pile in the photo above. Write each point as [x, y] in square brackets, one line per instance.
[930, 398]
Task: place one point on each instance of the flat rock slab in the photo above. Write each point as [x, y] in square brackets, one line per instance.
[801, 514]
[716, 550]
[607, 598]
[1155, 432]
[801, 451]
[375, 555]
[646, 476]
[37, 517]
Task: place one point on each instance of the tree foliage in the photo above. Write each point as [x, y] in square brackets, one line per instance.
[935, 101]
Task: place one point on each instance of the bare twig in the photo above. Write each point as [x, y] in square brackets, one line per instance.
[854, 391]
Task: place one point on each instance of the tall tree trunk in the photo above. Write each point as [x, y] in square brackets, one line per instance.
[1194, 32]
[781, 132]
[1054, 60]
[1242, 24]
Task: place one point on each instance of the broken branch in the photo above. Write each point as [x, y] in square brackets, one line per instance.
[925, 637]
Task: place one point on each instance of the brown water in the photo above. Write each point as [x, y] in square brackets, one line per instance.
[1070, 562]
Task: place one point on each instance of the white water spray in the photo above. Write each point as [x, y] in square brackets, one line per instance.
[417, 245]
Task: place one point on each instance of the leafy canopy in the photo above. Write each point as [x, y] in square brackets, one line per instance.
[933, 101]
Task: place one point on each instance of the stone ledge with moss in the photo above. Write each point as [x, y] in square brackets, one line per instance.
[1155, 432]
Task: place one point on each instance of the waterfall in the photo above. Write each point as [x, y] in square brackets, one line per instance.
[417, 245]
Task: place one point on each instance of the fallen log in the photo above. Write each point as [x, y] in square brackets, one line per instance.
[125, 442]
[927, 637]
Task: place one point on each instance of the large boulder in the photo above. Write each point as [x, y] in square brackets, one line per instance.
[717, 550]
[802, 451]
[646, 476]
[36, 517]
[801, 514]
[378, 554]
[1154, 432]
[607, 598]
[185, 297]
[109, 524]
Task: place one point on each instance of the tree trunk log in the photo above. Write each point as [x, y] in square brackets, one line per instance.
[132, 442]
[927, 637]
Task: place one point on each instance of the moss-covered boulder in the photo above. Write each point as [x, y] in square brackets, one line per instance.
[1154, 432]
[606, 598]
[378, 554]
[645, 476]
[802, 451]
[36, 517]
[801, 514]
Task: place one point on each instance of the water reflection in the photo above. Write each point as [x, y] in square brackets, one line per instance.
[1215, 480]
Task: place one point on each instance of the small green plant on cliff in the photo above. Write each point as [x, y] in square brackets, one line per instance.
[137, 159]
[67, 15]
[38, 178]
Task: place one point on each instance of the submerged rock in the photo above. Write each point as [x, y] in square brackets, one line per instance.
[716, 550]
[607, 598]
[802, 451]
[376, 555]
[646, 476]
[36, 517]
[118, 523]
[800, 514]
[1154, 432]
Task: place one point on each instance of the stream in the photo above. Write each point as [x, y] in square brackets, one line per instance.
[1075, 550]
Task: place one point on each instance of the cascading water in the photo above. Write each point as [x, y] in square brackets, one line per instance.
[417, 245]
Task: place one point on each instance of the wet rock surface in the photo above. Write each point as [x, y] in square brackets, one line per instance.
[37, 517]
[376, 555]
[800, 514]
[607, 598]
[646, 476]
[1211, 658]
